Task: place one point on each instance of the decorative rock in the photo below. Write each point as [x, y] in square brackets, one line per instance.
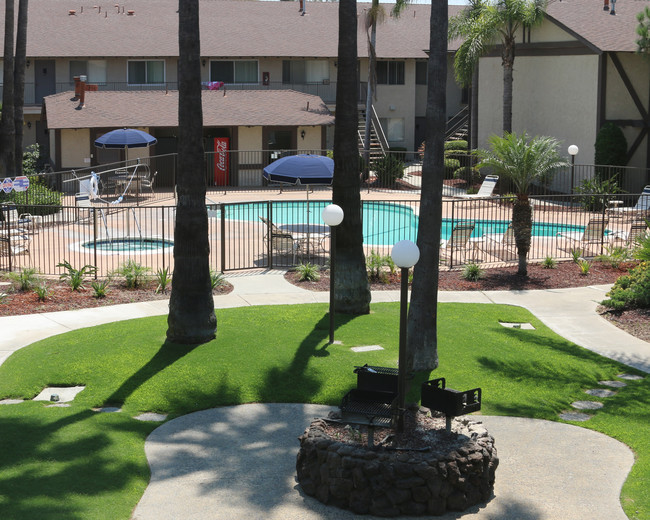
[600, 392]
[524, 326]
[381, 482]
[575, 416]
[613, 384]
[630, 377]
[587, 405]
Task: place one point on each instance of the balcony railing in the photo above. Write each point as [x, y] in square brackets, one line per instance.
[326, 90]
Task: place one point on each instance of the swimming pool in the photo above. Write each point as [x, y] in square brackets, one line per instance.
[128, 245]
[384, 223]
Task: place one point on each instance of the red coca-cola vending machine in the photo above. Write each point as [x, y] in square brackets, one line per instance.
[221, 161]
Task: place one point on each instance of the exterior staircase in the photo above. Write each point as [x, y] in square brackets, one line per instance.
[458, 126]
[378, 142]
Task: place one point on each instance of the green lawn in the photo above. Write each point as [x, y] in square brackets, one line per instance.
[74, 463]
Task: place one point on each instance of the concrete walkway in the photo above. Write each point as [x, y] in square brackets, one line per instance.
[239, 462]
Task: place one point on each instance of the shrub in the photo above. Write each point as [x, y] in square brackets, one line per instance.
[75, 277]
[388, 169]
[595, 191]
[472, 272]
[642, 251]
[615, 256]
[217, 279]
[308, 272]
[164, 277]
[576, 254]
[470, 174]
[43, 291]
[451, 165]
[631, 291]
[100, 287]
[25, 279]
[610, 147]
[134, 274]
[375, 264]
[549, 263]
[584, 266]
[456, 145]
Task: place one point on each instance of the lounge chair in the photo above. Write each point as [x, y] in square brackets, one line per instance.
[641, 208]
[501, 245]
[486, 189]
[593, 234]
[14, 244]
[456, 246]
[148, 181]
[281, 242]
[637, 228]
[25, 221]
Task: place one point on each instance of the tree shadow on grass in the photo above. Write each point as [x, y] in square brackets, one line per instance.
[295, 383]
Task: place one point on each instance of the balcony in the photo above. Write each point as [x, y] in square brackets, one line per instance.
[326, 90]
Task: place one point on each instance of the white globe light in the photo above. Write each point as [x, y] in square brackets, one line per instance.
[405, 253]
[332, 215]
[573, 150]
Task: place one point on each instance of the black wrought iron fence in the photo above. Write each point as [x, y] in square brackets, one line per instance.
[282, 234]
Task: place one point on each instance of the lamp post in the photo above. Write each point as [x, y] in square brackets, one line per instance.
[332, 215]
[573, 151]
[405, 254]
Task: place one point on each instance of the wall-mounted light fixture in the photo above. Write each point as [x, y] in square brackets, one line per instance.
[302, 134]
[27, 63]
[29, 124]
[203, 62]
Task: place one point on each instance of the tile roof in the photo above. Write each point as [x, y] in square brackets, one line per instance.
[605, 32]
[158, 108]
[229, 28]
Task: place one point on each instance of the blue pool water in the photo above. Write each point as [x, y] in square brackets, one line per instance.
[128, 244]
[384, 223]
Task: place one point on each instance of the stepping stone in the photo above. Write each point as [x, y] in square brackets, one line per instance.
[575, 416]
[65, 393]
[587, 405]
[107, 409]
[367, 348]
[525, 326]
[150, 416]
[600, 392]
[11, 401]
[58, 405]
[630, 377]
[613, 384]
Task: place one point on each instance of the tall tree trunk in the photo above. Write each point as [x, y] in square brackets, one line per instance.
[422, 333]
[522, 225]
[7, 129]
[508, 60]
[474, 110]
[352, 290]
[372, 71]
[191, 318]
[19, 84]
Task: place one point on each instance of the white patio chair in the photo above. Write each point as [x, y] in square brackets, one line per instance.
[485, 191]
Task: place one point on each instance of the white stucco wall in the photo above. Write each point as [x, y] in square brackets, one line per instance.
[312, 140]
[75, 148]
[250, 138]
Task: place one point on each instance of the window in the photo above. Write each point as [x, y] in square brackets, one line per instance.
[393, 128]
[94, 70]
[234, 71]
[305, 71]
[146, 72]
[390, 72]
[420, 72]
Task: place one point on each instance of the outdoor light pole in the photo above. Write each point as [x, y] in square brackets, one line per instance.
[573, 151]
[405, 254]
[332, 215]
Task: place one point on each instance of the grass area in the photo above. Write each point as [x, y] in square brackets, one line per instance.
[74, 463]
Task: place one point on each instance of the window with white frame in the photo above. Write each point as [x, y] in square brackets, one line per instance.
[393, 128]
[234, 71]
[94, 70]
[390, 72]
[305, 71]
[146, 72]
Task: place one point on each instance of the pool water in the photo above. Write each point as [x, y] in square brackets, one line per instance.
[384, 223]
[128, 244]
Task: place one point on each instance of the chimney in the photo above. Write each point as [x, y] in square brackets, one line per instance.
[613, 11]
[303, 7]
[606, 6]
[82, 92]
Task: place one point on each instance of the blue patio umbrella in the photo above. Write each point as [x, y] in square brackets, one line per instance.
[124, 138]
[301, 169]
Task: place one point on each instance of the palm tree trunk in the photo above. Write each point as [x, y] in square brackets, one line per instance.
[191, 318]
[474, 110]
[7, 129]
[508, 59]
[352, 290]
[19, 84]
[422, 330]
[522, 225]
[372, 68]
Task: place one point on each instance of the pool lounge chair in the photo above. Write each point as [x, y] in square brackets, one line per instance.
[641, 208]
[454, 250]
[24, 221]
[281, 242]
[485, 191]
[12, 245]
[637, 228]
[593, 234]
[500, 245]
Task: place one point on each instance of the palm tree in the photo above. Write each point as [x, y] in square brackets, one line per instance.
[19, 84]
[523, 161]
[191, 318]
[422, 342]
[482, 25]
[7, 129]
[643, 31]
[352, 290]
